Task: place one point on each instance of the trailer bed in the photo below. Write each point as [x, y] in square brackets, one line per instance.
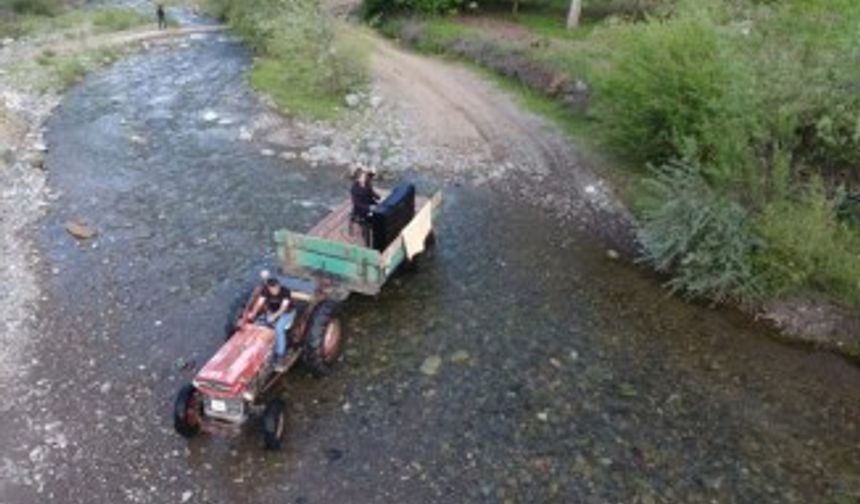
[336, 226]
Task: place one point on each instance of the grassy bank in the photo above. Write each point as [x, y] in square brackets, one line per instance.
[302, 61]
[52, 42]
[739, 120]
[25, 18]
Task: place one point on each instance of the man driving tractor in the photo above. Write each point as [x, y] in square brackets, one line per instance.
[274, 308]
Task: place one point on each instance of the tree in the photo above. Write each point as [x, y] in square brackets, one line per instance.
[573, 14]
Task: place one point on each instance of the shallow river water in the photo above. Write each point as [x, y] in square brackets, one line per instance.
[583, 381]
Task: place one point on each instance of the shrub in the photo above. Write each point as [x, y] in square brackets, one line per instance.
[675, 84]
[36, 7]
[377, 8]
[807, 246]
[699, 236]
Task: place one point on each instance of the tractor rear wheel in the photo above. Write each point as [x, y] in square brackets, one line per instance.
[323, 339]
[274, 424]
[187, 411]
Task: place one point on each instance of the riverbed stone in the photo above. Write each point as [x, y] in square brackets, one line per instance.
[431, 365]
[460, 357]
[80, 230]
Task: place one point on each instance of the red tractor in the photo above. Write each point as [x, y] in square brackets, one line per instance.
[321, 268]
[239, 381]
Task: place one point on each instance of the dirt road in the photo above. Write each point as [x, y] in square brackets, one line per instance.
[451, 108]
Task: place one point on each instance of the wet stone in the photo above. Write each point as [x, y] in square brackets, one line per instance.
[460, 357]
[431, 365]
[80, 230]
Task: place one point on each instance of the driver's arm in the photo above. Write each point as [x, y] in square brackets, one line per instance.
[255, 311]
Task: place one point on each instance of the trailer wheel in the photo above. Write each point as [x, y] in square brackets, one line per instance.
[324, 339]
[236, 310]
[274, 424]
[187, 411]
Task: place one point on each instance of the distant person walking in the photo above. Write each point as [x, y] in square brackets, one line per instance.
[162, 19]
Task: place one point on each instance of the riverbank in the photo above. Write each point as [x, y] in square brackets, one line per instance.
[551, 70]
[34, 73]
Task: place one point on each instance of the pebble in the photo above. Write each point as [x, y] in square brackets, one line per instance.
[210, 116]
[267, 152]
[460, 357]
[431, 365]
[80, 230]
[612, 254]
[186, 496]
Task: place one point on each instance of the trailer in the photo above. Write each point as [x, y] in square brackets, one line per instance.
[335, 252]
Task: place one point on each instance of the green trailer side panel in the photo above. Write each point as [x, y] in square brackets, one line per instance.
[358, 268]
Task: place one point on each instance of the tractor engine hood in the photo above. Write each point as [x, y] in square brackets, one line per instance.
[237, 363]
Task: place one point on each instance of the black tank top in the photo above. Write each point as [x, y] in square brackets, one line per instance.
[274, 301]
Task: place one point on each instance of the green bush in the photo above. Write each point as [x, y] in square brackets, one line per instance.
[377, 8]
[808, 247]
[35, 7]
[699, 236]
[807, 59]
[675, 85]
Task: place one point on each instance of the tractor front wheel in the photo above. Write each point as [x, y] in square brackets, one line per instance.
[274, 424]
[187, 411]
[323, 340]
